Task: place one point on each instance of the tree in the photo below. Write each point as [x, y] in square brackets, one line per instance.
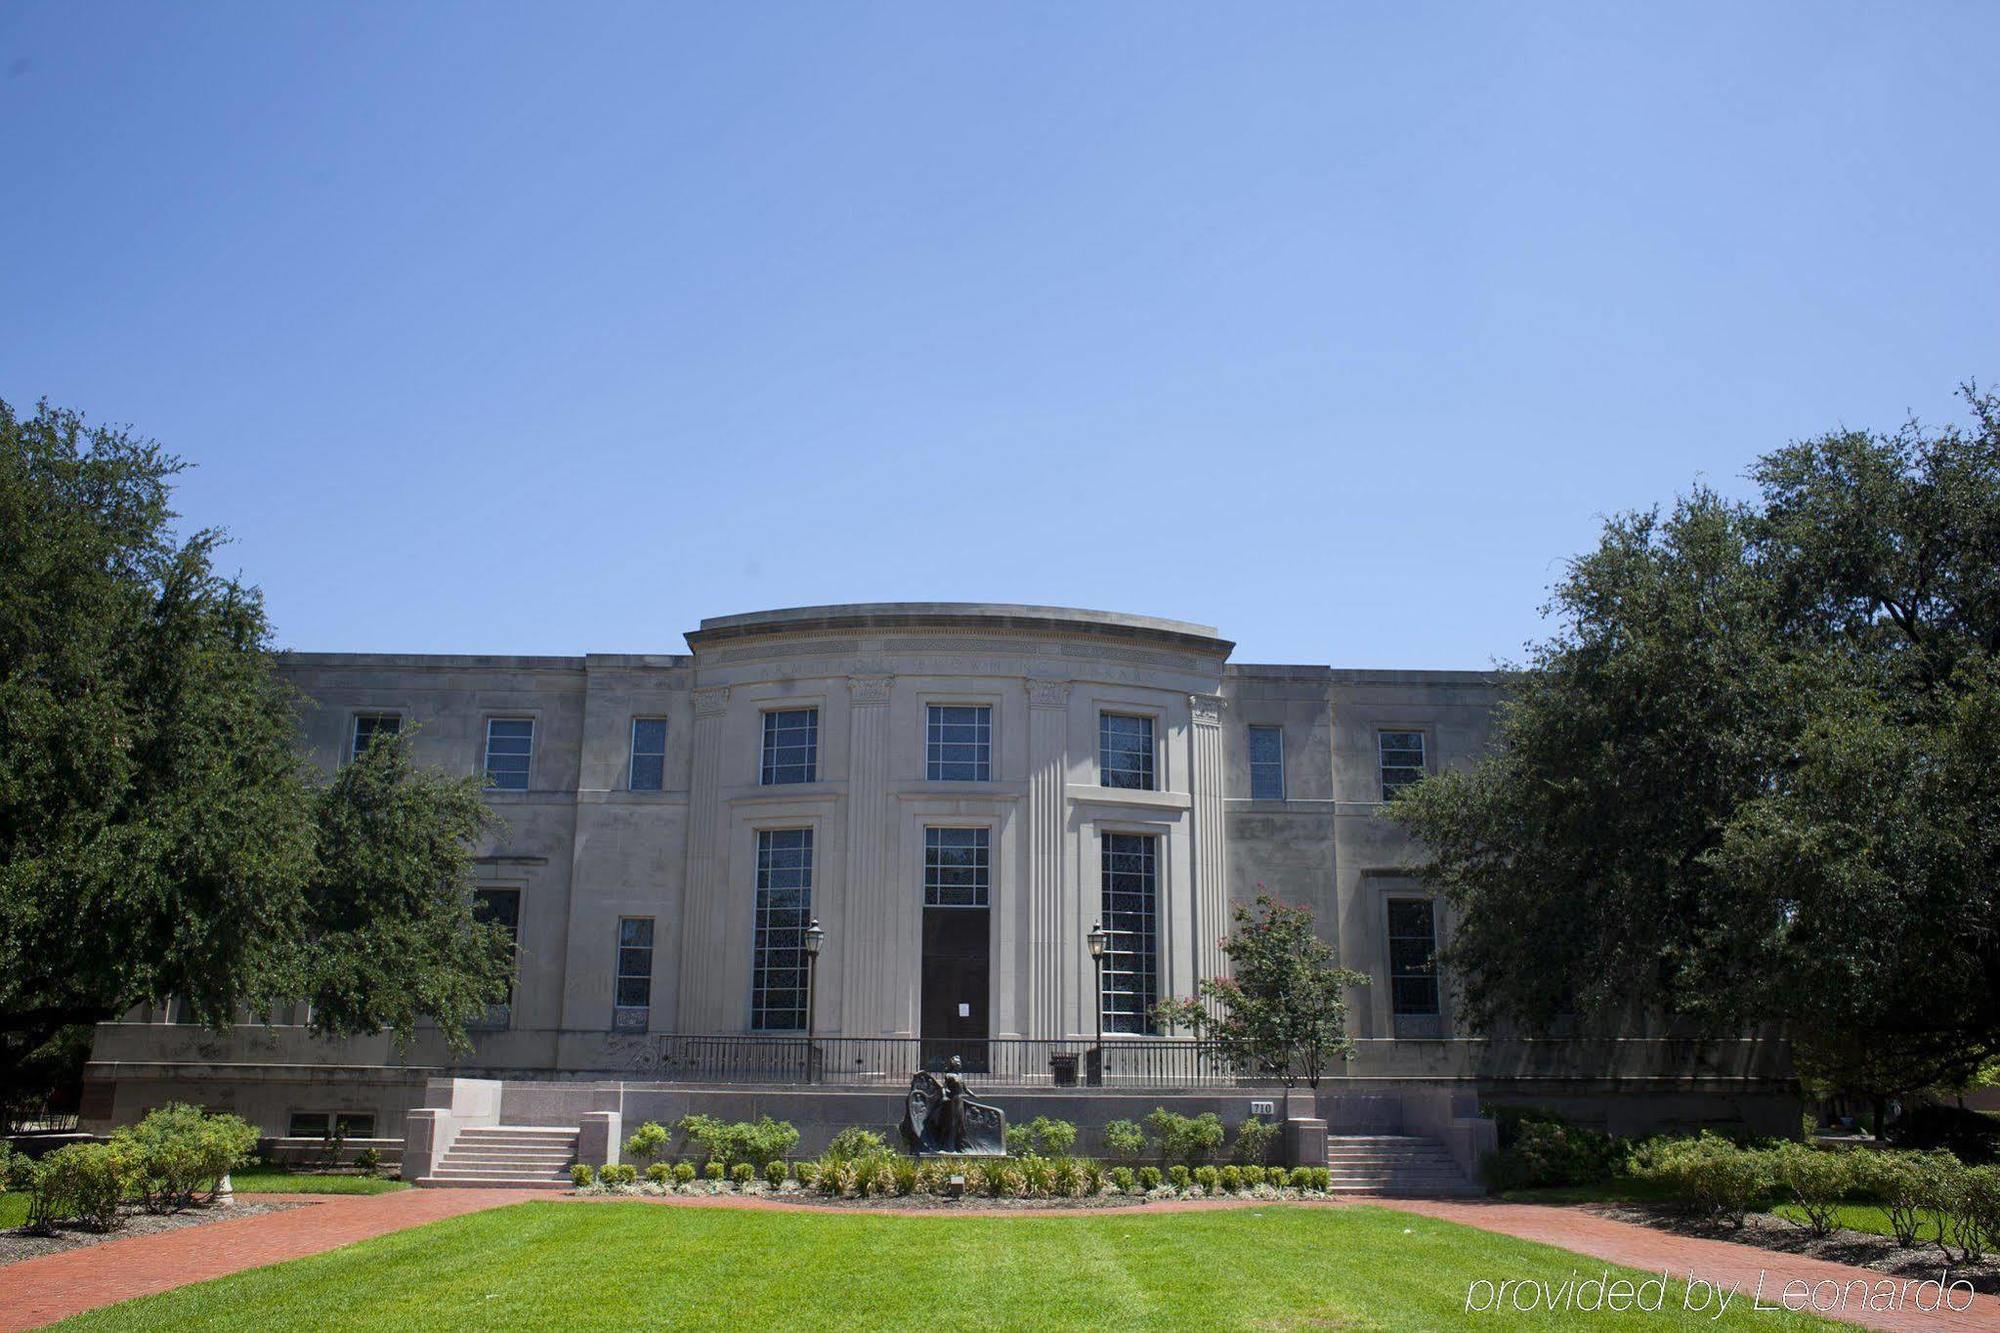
[159, 833]
[1754, 775]
[1283, 1007]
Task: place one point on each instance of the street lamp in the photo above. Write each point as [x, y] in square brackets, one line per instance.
[814, 938]
[1097, 939]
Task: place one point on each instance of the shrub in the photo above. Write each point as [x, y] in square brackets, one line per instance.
[807, 1173]
[742, 1174]
[1066, 1178]
[580, 1175]
[1322, 1178]
[1090, 1177]
[1816, 1180]
[903, 1172]
[854, 1142]
[712, 1171]
[660, 1174]
[178, 1153]
[1253, 1140]
[1125, 1140]
[1189, 1139]
[1005, 1180]
[1232, 1178]
[84, 1181]
[1970, 1136]
[1550, 1152]
[1177, 1176]
[1209, 1178]
[647, 1142]
[619, 1174]
[1253, 1176]
[1899, 1182]
[730, 1142]
[368, 1160]
[1043, 1137]
[774, 1173]
[683, 1173]
[1301, 1178]
[1122, 1177]
[1978, 1211]
[1709, 1175]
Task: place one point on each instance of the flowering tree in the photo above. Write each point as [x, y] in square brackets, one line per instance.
[1283, 1007]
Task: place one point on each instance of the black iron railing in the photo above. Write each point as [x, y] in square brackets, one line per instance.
[1138, 1063]
[36, 1118]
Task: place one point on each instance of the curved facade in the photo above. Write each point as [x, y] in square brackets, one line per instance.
[957, 793]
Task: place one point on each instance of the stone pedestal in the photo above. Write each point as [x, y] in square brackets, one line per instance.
[1305, 1142]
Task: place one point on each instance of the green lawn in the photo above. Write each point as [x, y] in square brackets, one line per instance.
[635, 1265]
[275, 1180]
[13, 1209]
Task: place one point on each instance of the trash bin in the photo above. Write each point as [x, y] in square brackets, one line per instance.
[1062, 1065]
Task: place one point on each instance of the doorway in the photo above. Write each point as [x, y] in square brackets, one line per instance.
[957, 963]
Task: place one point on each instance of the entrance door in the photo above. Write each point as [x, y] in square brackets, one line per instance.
[957, 945]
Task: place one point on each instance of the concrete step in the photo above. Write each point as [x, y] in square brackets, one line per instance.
[486, 1172]
[561, 1156]
[491, 1183]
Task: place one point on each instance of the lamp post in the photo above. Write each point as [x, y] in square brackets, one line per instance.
[814, 938]
[1097, 939]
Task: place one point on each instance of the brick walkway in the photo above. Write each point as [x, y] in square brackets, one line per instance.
[56, 1286]
[1651, 1250]
[41, 1291]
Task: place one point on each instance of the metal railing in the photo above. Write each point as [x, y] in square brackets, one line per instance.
[1136, 1063]
[36, 1118]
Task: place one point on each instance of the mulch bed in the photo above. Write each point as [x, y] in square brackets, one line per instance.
[1767, 1231]
[21, 1243]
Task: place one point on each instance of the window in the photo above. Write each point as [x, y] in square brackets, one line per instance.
[791, 746]
[314, 1124]
[784, 906]
[502, 907]
[1130, 981]
[1402, 761]
[1125, 751]
[510, 743]
[1413, 987]
[649, 753]
[1267, 764]
[367, 726]
[632, 999]
[959, 744]
[956, 866]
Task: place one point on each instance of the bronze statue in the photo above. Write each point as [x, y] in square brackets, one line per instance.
[940, 1117]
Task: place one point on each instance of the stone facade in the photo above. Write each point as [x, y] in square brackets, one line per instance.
[581, 846]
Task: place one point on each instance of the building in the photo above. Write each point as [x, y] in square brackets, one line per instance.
[957, 794]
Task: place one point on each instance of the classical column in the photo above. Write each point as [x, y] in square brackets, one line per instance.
[1042, 933]
[873, 970]
[1211, 856]
[702, 899]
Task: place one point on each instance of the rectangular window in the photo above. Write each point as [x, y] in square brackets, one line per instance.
[649, 753]
[632, 1001]
[503, 907]
[510, 744]
[784, 908]
[367, 726]
[1130, 986]
[959, 744]
[1125, 751]
[1413, 986]
[956, 867]
[314, 1124]
[791, 747]
[1402, 760]
[1267, 764]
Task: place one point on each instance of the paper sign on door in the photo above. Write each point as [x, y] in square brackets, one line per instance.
[965, 1011]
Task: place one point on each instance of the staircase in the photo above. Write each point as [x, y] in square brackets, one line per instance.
[1362, 1164]
[507, 1157]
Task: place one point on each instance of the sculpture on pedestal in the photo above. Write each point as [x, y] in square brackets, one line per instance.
[941, 1119]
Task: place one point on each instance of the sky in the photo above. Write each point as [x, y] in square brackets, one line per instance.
[555, 328]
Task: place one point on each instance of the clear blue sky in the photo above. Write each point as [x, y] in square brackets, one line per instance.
[556, 328]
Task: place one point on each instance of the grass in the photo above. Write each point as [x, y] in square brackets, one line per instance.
[276, 1180]
[635, 1265]
[13, 1209]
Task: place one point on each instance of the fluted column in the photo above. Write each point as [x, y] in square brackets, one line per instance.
[871, 918]
[702, 901]
[1043, 902]
[1211, 855]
